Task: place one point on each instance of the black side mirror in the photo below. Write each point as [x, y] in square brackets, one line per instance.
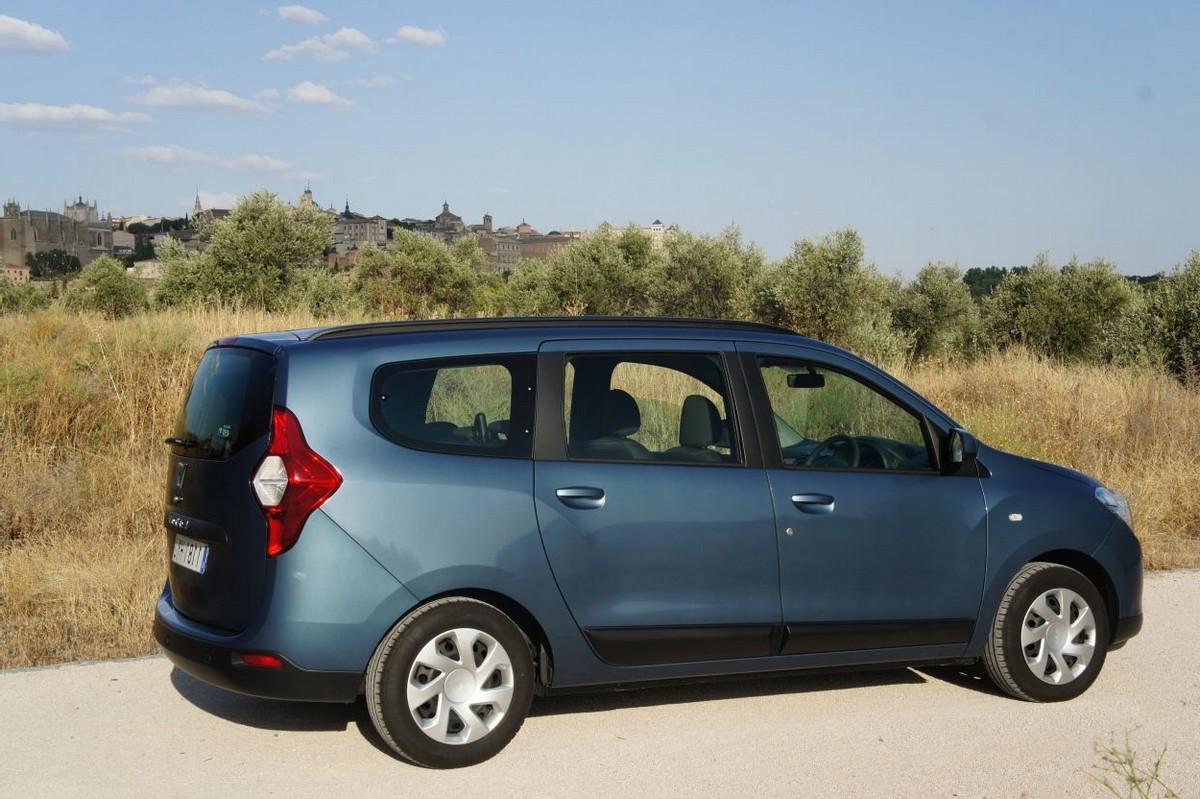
[962, 450]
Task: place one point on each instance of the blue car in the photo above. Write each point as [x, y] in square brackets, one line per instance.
[449, 517]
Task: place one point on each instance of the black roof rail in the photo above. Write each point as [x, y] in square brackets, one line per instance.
[491, 323]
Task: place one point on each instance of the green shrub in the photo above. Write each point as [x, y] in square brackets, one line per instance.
[105, 287]
[21, 297]
[1174, 306]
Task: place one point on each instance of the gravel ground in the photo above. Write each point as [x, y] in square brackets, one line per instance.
[138, 728]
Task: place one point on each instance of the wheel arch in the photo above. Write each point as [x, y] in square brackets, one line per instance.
[1096, 574]
[543, 653]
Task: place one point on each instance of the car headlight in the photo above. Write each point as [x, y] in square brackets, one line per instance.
[1115, 501]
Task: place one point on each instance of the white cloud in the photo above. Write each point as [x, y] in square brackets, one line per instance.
[330, 47]
[309, 92]
[175, 156]
[415, 35]
[66, 118]
[210, 200]
[19, 36]
[267, 94]
[189, 96]
[259, 163]
[303, 14]
[169, 155]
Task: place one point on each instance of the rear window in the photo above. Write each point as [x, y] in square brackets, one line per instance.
[477, 406]
[228, 405]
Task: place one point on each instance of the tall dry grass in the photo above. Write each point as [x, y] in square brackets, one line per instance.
[85, 404]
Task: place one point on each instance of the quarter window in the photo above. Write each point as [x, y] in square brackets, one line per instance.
[480, 406]
[825, 419]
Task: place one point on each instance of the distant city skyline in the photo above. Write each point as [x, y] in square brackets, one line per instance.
[970, 134]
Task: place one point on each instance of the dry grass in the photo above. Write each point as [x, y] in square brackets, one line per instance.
[85, 404]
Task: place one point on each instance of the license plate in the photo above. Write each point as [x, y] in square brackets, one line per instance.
[190, 554]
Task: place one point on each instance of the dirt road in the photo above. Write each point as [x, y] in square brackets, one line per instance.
[137, 728]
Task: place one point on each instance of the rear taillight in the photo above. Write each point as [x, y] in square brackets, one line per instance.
[291, 482]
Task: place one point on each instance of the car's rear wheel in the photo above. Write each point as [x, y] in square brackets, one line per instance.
[451, 684]
[1050, 635]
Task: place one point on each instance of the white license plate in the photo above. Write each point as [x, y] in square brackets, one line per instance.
[190, 554]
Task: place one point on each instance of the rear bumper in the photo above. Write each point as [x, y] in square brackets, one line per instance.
[1126, 629]
[221, 665]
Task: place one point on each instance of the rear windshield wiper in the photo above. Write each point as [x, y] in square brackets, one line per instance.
[182, 442]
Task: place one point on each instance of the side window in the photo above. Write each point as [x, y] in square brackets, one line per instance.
[825, 419]
[648, 407]
[481, 406]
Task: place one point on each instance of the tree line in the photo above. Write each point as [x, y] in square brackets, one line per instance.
[266, 254]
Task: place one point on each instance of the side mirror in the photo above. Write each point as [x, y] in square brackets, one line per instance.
[962, 448]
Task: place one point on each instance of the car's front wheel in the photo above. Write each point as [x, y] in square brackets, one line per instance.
[451, 684]
[1049, 636]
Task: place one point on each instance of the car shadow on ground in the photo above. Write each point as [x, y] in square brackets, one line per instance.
[269, 714]
[265, 714]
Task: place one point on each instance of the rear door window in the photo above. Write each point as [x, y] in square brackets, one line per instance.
[228, 405]
[670, 407]
[480, 406]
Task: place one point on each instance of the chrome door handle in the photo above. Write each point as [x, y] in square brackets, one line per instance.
[581, 497]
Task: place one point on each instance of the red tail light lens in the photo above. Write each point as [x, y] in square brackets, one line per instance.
[262, 661]
[291, 482]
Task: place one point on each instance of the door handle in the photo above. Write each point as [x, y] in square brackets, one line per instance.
[581, 497]
[813, 503]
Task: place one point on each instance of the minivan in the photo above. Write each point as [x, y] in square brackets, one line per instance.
[449, 517]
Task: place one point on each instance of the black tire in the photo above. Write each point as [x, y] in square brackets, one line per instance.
[1065, 624]
[459, 724]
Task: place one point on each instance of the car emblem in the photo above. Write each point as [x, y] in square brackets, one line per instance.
[180, 473]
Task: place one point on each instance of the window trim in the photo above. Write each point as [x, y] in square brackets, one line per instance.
[522, 369]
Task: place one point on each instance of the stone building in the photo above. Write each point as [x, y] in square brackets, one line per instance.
[353, 231]
[446, 227]
[80, 233]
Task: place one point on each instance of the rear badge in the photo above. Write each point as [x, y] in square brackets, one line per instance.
[180, 473]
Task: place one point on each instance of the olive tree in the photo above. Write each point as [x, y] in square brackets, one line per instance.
[250, 257]
[705, 276]
[418, 277]
[1175, 313]
[825, 290]
[937, 313]
[105, 287]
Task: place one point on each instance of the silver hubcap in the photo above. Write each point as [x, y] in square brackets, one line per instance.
[460, 686]
[1058, 637]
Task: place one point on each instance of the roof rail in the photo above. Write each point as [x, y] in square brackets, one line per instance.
[480, 323]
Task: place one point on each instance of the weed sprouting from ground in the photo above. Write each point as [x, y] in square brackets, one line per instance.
[1120, 772]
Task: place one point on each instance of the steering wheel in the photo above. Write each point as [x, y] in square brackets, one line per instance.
[828, 450]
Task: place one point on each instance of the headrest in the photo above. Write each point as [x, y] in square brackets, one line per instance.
[699, 422]
[621, 416]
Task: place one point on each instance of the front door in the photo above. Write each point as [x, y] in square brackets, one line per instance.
[878, 549]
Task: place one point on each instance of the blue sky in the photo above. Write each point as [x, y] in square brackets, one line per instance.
[970, 133]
